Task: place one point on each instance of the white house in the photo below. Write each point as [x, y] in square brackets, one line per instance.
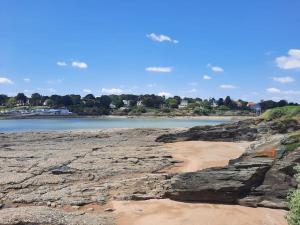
[139, 103]
[126, 103]
[112, 106]
[183, 104]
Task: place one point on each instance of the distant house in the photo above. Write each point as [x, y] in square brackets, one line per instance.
[214, 105]
[139, 103]
[126, 103]
[112, 106]
[256, 107]
[183, 104]
[239, 104]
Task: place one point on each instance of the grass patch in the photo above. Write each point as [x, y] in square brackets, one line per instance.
[282, 113]
[292, 142]
[293, 216]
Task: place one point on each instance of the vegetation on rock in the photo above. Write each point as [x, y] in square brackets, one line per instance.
[293, 216]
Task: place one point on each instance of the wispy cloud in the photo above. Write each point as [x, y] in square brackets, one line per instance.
[283, 80]
[273, 90]
[61, 63]
[215, 69]
[5, 80]
[27, 80]
[47, 90]
[206, 77]
[112, 91]
[88, 91]
[193, 83]
[79, 65]
[151, 85]
[228, 86]
[155, 69]
[165, 94]
[57, 81]
[161, 38]
[291, 61]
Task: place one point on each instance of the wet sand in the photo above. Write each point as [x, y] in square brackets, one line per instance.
[196, 155]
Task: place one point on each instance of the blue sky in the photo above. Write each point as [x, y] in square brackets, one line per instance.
[245, 49]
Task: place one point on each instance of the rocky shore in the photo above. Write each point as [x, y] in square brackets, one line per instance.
[72, 177]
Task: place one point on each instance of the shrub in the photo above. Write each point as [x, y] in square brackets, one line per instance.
[293, 216]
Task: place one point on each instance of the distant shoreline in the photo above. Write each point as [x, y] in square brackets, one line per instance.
[209, 117]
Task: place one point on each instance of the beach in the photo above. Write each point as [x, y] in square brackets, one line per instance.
[97, 176]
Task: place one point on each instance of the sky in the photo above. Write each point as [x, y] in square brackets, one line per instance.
[195, 48]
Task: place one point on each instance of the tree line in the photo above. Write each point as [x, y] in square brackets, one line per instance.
[104, 104]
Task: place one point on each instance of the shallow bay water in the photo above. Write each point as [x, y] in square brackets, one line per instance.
[62, 124]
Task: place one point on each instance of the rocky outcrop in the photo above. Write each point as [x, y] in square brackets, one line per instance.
[219, 185]
[238, 131]
[244, 130]
[262, 176]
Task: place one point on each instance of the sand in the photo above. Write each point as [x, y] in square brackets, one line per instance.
[167, 212]
[198, 155]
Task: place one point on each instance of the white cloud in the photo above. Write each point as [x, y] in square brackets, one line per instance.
[166, 94]
[284, 80]
[215, 69]
[227, 86]
[273, 90]
[291, 61]
[61, 63]
[112, 91]
[161, 38]
[4, 80]
[87, 91]
[285, 92]
[27, 80]
[193, 90]
[80, 65]
[206, 77]
[155, 69]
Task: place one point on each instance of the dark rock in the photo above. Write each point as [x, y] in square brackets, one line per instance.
[62, 170]
[219, 185]
[238, 131]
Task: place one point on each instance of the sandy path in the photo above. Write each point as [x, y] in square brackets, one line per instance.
[197, 155]
[167, 212]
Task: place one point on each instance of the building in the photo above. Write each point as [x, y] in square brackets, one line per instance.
[183, 104]
[139, 103]
[112, 106]
[256, 107]
[126, 103]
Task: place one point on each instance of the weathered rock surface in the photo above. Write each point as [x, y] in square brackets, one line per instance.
[65, 169]
[41, 215]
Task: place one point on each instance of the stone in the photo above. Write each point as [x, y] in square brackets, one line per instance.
[109, 210]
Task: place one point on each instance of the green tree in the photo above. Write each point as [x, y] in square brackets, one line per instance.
[36, 99]
[21, 98]
[3, 99]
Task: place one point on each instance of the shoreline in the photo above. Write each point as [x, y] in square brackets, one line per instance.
[209, 117]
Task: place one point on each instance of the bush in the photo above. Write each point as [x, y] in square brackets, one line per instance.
[201, 111]
[293, 216]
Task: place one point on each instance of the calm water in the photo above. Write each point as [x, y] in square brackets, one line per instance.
[102, 123]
